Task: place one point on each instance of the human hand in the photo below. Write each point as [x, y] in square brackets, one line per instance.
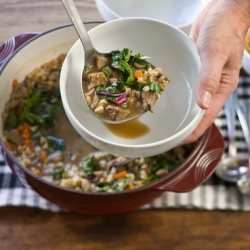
[219, 33]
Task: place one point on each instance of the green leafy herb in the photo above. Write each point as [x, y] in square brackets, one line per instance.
[57, 173]
[150, 178]
[107, 71]
[90, 164]
[154, 87]
[36, 113]
[118, 55]
[28, 116]
[55, 143]
[118, 185]
[86, 69]
[33, 98]
[36, 135]
[11, 122]
[140, 56]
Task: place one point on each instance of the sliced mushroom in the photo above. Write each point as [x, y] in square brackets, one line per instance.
[101, 62]
[14, 136]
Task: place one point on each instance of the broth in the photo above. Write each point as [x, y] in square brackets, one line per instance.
[129, 130]
[75, 143]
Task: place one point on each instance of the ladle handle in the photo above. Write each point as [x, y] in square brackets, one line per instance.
[230, 112]
[79, 26]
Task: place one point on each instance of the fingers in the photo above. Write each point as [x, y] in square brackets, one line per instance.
[219, 34]
[209, 79]
[207, 120]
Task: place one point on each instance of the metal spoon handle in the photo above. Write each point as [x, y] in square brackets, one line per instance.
[229, 109]
[243, 121]
[244, 184]
[79, 26]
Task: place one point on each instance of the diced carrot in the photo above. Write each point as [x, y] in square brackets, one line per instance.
[131, 186]
[43, 157]
[117, 74]
[8, 146]
[120, 175]
[20, 128]
[50, 63]
[27, 142]
[138, 74]
[36, 172]
[21, 149]
[26, 133]
[14, 83]
[25, 130]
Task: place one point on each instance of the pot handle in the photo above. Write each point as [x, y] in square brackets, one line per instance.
[10, 46]
[199, 167]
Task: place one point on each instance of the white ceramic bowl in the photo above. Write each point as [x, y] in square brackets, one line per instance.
[176, 113]
[180, 13]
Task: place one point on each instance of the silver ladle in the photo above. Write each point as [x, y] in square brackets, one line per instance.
[231, 168]
[244, 184]
[90, 52]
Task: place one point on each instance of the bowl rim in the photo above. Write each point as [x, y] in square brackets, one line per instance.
[111, 11]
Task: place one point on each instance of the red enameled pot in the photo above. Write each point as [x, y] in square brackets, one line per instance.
[32, 50]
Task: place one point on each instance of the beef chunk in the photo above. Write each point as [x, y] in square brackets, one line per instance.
[148, 100]
[117, 113]
[97, 79]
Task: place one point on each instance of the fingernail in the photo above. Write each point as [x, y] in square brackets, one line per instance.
[206, 99]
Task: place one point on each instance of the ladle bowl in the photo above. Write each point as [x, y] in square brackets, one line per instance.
[90, 54]
[244, 183]
[231, 168]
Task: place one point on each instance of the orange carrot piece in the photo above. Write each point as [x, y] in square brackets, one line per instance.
[36, 172]
[26, 125]
[138, 74]
[117, 74]
[131, 186]
[14, 83]
[20, 128]
[27, 142]
[21, 149]
[120, 175]
[26, 134]
[43, 157]
[8, 146]
[50, 63]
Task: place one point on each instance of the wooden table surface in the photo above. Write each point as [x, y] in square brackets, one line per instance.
[31, 229]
